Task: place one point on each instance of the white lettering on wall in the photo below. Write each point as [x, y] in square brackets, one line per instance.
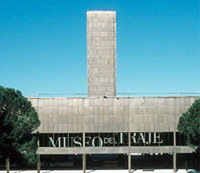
[133, 137]
[121, 138]
[157, 138]
[117, 139]
[58, 141]
[141, 138]
[99, 141]
[77, 141]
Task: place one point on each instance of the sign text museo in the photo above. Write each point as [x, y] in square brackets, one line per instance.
[106, 139]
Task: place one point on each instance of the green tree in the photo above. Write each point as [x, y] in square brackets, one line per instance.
[189, 125]
[18, 119]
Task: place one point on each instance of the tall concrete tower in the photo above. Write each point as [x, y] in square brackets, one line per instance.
[101, 53]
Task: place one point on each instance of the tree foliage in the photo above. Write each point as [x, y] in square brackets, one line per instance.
[18, 119]
[189, 125]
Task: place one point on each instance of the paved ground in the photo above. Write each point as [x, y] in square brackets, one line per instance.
[100, 171]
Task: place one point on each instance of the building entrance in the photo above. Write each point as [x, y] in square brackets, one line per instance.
[108, 161]
[119, 161]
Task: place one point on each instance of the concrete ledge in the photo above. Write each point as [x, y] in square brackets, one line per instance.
[113, 150]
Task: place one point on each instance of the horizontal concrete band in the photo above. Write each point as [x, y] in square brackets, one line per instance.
[114, 150]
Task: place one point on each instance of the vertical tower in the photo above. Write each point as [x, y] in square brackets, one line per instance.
[101, 53]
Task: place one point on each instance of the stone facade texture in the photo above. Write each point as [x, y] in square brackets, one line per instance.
[101, 53]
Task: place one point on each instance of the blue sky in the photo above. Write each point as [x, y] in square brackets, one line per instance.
[43, 45]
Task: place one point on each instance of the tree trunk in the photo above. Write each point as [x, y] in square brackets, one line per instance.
[7, 164]
[38, 166]
[198, 160]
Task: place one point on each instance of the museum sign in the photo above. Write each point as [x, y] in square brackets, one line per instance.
[109, 139]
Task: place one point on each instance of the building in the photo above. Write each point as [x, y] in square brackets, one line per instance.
[107, 131]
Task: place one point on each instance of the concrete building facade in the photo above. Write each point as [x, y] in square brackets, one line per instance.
[104, 123]
[101, 53]
[111, 115]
